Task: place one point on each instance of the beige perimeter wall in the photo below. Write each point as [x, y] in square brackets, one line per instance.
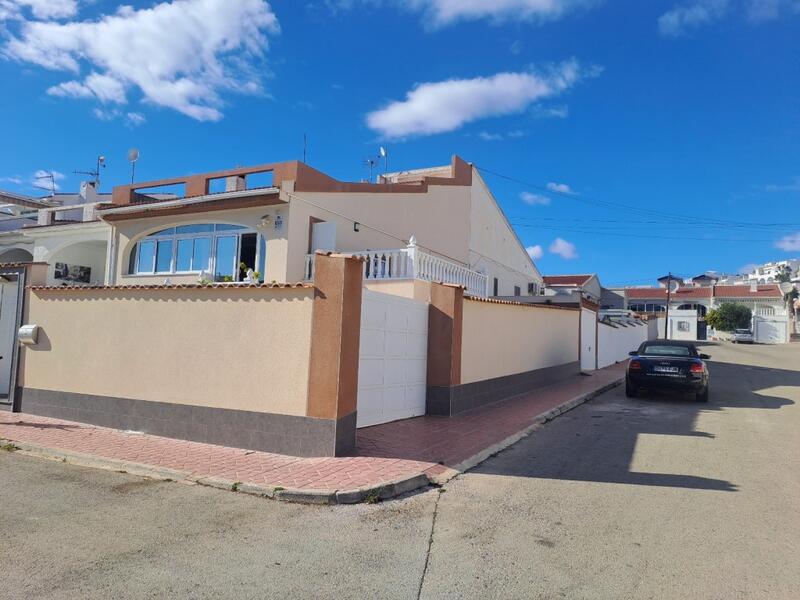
[224, 347]
[505, 339]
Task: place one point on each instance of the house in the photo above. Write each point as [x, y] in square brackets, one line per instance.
[612, 298]
[278, 309]
[667, 279]
[704, 280]
[689, 305]
[63, 231]
[768, 272]
[587, 286]
[437, 224]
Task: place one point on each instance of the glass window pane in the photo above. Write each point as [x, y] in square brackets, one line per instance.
[164, 257]
[183, 257]
[170, 231]
[147, 252]
[225, 258]
[197, 228]
[226, 227]
[202, 248]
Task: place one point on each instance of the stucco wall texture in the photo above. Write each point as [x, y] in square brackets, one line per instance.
[506, 339]
[222, 347]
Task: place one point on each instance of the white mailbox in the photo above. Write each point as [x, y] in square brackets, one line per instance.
[28, 334]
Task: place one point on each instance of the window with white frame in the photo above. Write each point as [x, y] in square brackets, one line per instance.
[224, 251]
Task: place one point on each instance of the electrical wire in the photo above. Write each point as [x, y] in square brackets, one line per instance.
[669, 217]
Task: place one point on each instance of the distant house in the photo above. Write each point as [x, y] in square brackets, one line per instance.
[588, 285]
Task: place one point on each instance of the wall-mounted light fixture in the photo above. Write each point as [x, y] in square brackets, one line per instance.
[356, 226]
[266, 220]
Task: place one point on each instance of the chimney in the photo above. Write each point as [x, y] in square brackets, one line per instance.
[88, 192]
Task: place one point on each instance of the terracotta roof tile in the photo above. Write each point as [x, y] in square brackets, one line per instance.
[743, 291]
[514, 303]
[566, 279]
[180, 286]
[661, 293]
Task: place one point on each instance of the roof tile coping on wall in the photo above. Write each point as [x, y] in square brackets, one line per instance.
[512, 303]
[177, 286]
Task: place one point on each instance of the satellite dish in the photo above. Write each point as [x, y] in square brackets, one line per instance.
[674, 285]
[133, 156]
[786, 287]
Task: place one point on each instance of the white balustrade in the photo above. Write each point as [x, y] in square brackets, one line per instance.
[412, 263]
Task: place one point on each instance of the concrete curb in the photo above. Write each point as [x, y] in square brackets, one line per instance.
[369, 494]
[537, 424]
[381, 491]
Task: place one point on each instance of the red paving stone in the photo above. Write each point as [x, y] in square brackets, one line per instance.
[384, 452]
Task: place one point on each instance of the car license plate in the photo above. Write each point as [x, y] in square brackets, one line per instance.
[671, 370]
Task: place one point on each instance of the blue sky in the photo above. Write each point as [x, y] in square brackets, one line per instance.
[604, 128]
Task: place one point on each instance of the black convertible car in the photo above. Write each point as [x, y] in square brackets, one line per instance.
[668, 365]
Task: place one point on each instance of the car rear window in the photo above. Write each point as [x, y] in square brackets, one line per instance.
[742, 331]
[664, 350]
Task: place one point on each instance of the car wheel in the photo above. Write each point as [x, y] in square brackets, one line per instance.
[702, 396]
[631, 391]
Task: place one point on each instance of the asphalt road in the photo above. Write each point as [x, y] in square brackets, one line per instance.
[657, 497]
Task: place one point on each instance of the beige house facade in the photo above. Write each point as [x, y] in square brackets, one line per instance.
[443, 221]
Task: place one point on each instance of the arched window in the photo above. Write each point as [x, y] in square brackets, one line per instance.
[223, 251]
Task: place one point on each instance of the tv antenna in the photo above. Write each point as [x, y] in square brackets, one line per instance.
[50, 188]
[101, 162]
[371, 164]
[133, 156]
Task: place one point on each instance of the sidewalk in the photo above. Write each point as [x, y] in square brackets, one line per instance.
[391, 459]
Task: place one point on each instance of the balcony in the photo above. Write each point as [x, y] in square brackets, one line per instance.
[413, 263]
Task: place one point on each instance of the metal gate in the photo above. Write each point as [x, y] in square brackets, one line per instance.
[393, 355]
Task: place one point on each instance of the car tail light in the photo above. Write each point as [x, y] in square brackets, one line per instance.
[635, 365]
[696, 367]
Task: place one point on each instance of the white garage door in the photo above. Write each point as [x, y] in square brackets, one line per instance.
[770, 331]
[393, 356]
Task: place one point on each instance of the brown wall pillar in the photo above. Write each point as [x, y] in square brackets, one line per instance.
[335, 339]
[445, 318]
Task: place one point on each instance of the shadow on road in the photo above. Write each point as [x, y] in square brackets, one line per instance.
[597, 442]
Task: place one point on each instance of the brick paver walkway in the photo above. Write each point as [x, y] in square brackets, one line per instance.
[385, 452]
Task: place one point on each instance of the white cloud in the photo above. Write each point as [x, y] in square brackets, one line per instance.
[490, 137]
[440, 13]
[15, 179]
[683, 17]
[563, 248]
[789, 243]
[102, 87]
[535, 252]
[40, 9]
[445, 12]
[534, 199]
[794, 186]
[179, 54]
[448, 105]
[135, 119]
[551, 112]
[560, 188]
[691, 15]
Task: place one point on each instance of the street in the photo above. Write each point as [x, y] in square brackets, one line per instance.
[656, 497]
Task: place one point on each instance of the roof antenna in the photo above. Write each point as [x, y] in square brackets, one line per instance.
[133, 156]
[50, 188]
[371, 163]
[101, 162]
[305, 148]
